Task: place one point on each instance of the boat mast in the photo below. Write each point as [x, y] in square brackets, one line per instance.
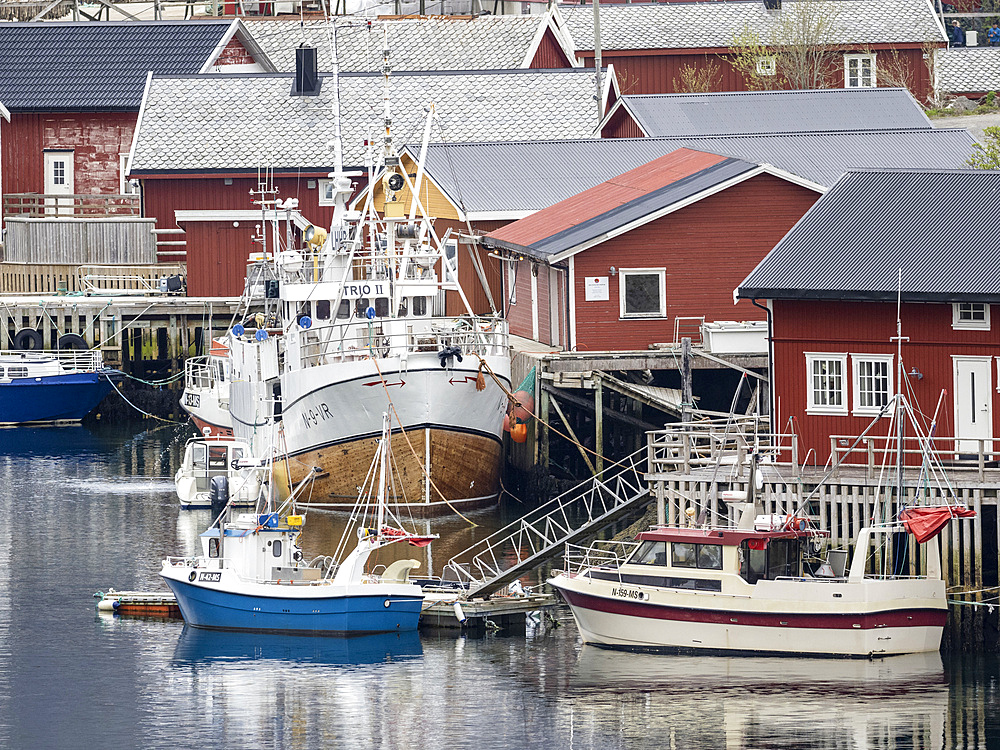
[382, 471]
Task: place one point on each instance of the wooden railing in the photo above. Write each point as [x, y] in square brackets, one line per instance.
[684, 446]
[871, 452]
[40, 205]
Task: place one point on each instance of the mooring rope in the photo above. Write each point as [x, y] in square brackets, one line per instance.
[144, 413]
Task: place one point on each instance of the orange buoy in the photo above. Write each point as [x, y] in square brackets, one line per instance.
[519, 432]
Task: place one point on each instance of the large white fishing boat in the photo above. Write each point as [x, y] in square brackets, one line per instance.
[363, 330]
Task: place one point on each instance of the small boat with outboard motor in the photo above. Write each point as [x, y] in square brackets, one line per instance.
[221, 465]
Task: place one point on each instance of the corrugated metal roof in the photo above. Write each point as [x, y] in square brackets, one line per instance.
[529, 176]
[618, 202]
[634, 26]
[438, 43]
[97, 66]
[937, 226]
[233, 122]
[972, 69]
[824, 110]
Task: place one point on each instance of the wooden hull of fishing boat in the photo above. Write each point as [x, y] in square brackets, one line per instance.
[870, 618]
[332, 416]
[274, 607]
[465, 468]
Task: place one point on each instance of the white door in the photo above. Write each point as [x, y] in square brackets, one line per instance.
[58, 182]
[973, 403]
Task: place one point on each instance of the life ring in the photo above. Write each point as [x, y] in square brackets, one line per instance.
[72, 341]
[28, 339]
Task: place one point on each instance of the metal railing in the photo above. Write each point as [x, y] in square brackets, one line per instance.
[203, 373]
[115, 279]
[542, 534]
[602, 553]
[38, 205]
[341, 342]
[684, 446]
[68, 359]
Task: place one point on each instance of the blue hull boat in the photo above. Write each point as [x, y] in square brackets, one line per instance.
[52, 386]
[334, 614]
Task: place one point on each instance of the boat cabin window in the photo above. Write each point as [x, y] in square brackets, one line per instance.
[17, 372]
[767, 559]
[344, 311]
[213, 547]
[381, 307]
[691, 555]
[404, 308]
[322, 309]
[360, 305]
[276, 548]
[650, 553]
[217, 458]
[198, 452]
[420, 306]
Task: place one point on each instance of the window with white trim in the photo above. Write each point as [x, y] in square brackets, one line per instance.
[970, 316]
[871, 381]
[326, 194]
[859, 71]
[642, 292]
[826, 383]
[767, 65]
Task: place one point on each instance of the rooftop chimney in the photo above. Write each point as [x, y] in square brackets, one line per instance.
[306, 78]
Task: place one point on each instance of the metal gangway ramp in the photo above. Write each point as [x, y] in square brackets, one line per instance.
[580, 512]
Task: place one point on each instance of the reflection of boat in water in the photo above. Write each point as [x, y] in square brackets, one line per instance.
[197, 645]
[757, 702]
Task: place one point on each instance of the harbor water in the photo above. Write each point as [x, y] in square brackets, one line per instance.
[86, 508]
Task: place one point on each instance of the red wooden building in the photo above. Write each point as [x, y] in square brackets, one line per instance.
[832, 286]
[613, 267]
[650, 45]
[74, 91]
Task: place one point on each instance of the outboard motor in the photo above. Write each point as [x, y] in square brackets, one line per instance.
[218, 493]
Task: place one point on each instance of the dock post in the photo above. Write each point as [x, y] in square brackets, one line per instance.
[599, 424]
[686, 398]
[661, 511]
[542, 430]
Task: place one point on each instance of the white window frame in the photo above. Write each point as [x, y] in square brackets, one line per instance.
[959, 323]
[125, 187]
[322, 198]
[811, 406]
[622, 274]
[858, 59]
[767, 65]
[857, 360]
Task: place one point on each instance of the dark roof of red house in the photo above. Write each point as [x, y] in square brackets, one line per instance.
[613, 205]
[933, 225]
[97, 66]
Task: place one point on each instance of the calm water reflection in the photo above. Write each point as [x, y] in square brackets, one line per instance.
[84, 509]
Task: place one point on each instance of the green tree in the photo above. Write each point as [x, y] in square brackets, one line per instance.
[987, 155]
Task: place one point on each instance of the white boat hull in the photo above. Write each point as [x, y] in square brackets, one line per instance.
[804, 617]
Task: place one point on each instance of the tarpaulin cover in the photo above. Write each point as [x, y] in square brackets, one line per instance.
[926, 522]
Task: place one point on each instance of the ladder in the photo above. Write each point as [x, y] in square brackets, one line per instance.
[580, 512]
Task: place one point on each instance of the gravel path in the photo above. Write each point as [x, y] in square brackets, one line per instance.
[973, 123]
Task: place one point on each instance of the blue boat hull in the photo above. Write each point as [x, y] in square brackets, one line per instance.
[52, 398]
[203, 607]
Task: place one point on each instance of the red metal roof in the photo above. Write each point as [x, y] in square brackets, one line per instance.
[726, 537]
[603, 199]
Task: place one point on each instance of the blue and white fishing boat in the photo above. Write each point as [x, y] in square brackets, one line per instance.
[252, 576]
[52, 386]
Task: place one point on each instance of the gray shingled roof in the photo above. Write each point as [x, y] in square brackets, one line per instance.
[97, 66]
[776, 112]
[237, 122]
[481, 43]
[671, 25]
[968, 69]
[530, 176]
[937, 226]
